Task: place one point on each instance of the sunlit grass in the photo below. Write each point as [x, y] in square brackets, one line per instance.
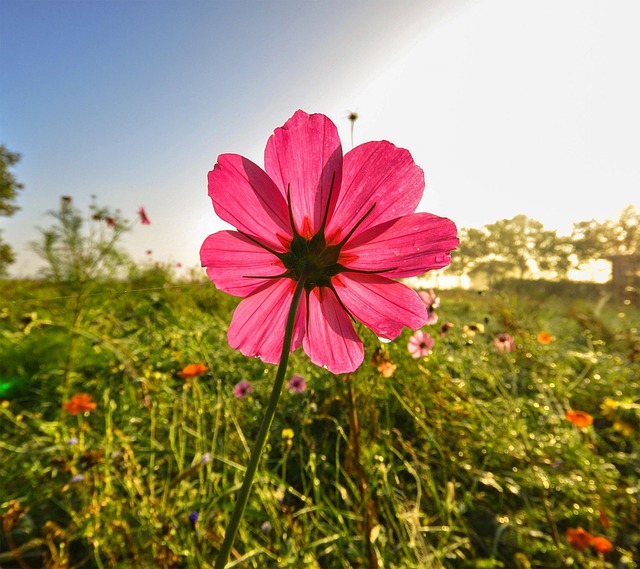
[463, 458]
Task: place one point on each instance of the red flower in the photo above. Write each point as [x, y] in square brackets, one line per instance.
[579, 538]
[578, 418]
[344, 225]
[192, 370]
[80, 403]
[143, 216]
[111, 222]
[601, 545]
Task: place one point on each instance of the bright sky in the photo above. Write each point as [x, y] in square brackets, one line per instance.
[510, 106]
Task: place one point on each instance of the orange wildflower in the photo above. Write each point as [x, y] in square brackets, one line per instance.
[545, 338]
[601, 545]
[80, 403]
[192, 370]
[579, 538]
[578, 418]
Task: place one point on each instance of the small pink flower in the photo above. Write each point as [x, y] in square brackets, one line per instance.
[242, 389]
[296, 384]
[143, 216]
[344, 224]
[504, 343]
[420, 344]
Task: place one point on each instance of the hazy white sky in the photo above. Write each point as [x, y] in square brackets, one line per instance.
[509, 106]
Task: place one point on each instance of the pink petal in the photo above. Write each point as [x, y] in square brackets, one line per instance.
[244, 196]
[305, 154]
[404, 247]
[230, 258]
[375, 173]
[383, 305]
[258, 323]
[331, 341]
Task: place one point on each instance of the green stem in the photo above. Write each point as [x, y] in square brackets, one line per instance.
[256, 453]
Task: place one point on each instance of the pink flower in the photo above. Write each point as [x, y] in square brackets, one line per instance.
[143, 217]
[344, 224]
[296, 384]
[242, 389]
[431, 301]
[420, 344]
[504, 343]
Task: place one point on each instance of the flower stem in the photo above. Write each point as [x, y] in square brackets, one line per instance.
[256, 453]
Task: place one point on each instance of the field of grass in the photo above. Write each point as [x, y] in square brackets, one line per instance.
[465, 458]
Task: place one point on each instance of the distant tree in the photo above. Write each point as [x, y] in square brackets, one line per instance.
[472, 247]
[9, 188]
[523, 242]
[594, 239]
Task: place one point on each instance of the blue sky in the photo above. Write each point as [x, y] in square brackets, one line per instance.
[509, 106]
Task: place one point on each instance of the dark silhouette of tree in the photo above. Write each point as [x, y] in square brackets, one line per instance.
[9, 188]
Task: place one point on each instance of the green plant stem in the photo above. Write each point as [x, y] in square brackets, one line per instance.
[256, 453]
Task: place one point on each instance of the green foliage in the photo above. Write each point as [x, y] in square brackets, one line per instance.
[78, 249]
[462, 459]
[594, 239]
[9, 188]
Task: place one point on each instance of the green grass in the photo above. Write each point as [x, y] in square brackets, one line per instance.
[460, 459]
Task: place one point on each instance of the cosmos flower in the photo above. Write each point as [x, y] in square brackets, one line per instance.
[192, 370]
[80, 403]
[431, 302]
[242, 389]
[420, 344]
[504, 343]
[544, 338]
[578, 418]
[343, 225]
[143, 216]
[296, 384]
[579, 538]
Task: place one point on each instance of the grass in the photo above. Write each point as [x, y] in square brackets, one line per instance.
[460, 459]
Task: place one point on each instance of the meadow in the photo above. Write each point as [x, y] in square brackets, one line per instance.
[481, 454]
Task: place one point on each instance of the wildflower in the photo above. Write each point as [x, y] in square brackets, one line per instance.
[77, 478]
[143, 216]
[608, 407]
[473, 329]
[287, 434]
[579, 538]
[445, 328]
[601, 545]
[192, 370]
[266, 527]
[544, 338]
[296, 384]
[624, 428]
[80, 403]
[66, 199]
[578, 418]
[342, 227]
[206, 458]
[149, 252]
[420, 344]
[193, 518]
[110, 221]
[72, 441]
[383, 363]
[504, 343]
[431, 302]
[242, 389]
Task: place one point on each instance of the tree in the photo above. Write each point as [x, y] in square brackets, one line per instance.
[594, 239]
[9, 188]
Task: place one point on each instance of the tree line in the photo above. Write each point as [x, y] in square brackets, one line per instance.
[521, 246]
[517, 247]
